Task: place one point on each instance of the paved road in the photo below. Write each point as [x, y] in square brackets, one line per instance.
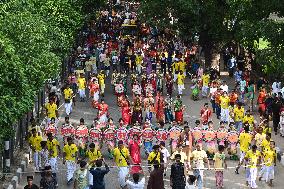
[231, 180]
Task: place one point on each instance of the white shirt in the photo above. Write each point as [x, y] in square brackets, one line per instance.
[224, 88]
[212, 91]
[166, 154]
[102, 57]
[139, 185]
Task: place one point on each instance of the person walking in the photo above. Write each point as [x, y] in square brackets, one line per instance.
[30, 184]
[156, 180]
[70, 154]
[81, 177]
[48, 181]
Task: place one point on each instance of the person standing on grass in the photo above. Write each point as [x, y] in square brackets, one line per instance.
[219, 165]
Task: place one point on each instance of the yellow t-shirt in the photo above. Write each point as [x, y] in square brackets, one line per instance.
[175, 66]
[35, 142]
[182, 154]
[52, 145]
[93, 156]
[51, 110]
[265, 144]
[225, 102]
[138, 59]
[180, 79]
[239, 113]
[249, 119]
[267, 130]
[152, 155]
[70, 151]
[219, 160]
[198, 158]
[182, 66]
[205, 79]
[81, 83]
[245, 141]
[269, 157]
[101, 78]
[118, 157]
[252, 158]
[68, 93]
[259, 138]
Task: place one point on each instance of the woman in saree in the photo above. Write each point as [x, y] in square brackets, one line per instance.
[134, 149]
[103, 112]
[126, 111]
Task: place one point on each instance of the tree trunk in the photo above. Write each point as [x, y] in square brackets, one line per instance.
[210, 50]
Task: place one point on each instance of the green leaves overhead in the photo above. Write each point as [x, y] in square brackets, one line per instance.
[35, 36]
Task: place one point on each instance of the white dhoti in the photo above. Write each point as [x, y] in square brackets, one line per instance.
[225, 116]
[252, 177]
[82, 93]
[103, 88]
[269, 173]
[180, 88]
[204, 90]
[71, 168]
[68, 107]
[53, 164]
[90, 178]
[123, 171]
[96, 96]
[37, 160]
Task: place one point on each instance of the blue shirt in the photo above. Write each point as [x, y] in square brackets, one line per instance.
[98, 177]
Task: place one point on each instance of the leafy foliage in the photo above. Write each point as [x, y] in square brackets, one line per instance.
[35, 36]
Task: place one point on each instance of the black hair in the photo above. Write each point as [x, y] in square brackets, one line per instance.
[177, 156]
[191, 179]
[83, 164]
[92, 145]
[162, 143]
[135, 178]
[246, 128]
[43, 143]
[99, 163]
[254, 147]
[221, 147]
[120, 142]
[49, 134]
[82, 120]
[69, 139]
[186, 127]
[30, 178]
[156, 147]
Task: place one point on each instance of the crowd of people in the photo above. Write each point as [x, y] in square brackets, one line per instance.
[146, 70]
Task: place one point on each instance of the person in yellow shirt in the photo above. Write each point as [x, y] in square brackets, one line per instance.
[93, 154]
[182, 66]
[205, 84]
[70, 154]
[68, 95]
[253, 158]
[259, 137]
[239, 113]
[225, 102]
[265, 144]
[138, 62]
[54, 149]
[175, 67]
[245, 139]
[82, 87]
[51, 110]
[101, 78]
[35, 144]
[180, 82]
[269, 157]
[249, 119]
[219, 165]
[122, 159]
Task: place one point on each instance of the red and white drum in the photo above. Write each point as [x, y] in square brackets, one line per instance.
[175, 133]
[51, 129]
[134, 131]
[161, 135]
[221, 135]
[95, 135]
[209, 135]
[81, 131]
[148, 134]
[67, 130]
[121, 134]
[197, 134]
[109, 134]
[233, 137]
